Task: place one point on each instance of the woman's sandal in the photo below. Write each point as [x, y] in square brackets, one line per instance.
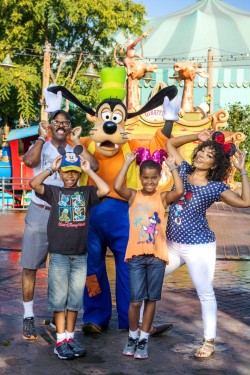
[206, 350]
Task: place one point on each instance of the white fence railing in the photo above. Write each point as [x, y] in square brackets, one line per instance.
[14, 193]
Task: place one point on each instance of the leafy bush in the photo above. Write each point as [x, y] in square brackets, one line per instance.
[239, 120]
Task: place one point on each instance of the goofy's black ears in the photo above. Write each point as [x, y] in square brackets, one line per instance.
[69, 96]
[77, 150]
[154, 102]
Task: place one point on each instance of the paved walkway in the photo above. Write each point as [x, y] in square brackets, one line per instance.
[231, 227]
[169, 354]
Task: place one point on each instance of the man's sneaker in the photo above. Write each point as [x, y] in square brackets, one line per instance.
[78, 352]
[29, 329]
[130, 346]
[63, 351]
[141, 350]
[53, 323]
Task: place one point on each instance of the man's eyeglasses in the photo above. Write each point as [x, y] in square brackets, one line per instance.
[66, 124]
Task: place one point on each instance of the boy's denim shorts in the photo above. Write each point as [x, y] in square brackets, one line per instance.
[66, 281]
[146, 274]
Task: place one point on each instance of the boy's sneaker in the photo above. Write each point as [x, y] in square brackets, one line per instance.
[63, 351]
[78, 352]
[29, 329]
[141, 350]
[130, 346]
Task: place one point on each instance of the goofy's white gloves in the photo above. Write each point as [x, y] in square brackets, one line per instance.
[171, 108]
[53, 101]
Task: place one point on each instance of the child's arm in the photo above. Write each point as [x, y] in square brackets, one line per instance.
[175, 142]
[37, 182]
[119, 186]
[171, 196]
[75, 138]
[102, 186]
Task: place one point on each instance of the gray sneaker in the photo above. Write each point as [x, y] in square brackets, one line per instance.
[53, 323]
[130, 346]
[141, 350]
[29, 329]
[76, 349]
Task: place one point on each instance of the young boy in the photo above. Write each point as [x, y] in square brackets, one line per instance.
[146, 252]
[67, 237]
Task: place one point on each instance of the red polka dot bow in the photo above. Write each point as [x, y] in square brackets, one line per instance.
[228, 147]
[144, 154]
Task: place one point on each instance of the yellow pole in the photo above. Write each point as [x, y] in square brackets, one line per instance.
[45, 83]
[210, 70]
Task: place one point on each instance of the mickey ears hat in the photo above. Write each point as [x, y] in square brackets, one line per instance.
[113, 81]
[71, 160]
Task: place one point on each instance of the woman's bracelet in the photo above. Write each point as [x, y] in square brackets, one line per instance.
[51, 171]
[42, 138]
[243, 173]
[172, 168]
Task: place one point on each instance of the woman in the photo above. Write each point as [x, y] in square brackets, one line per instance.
[189, 238]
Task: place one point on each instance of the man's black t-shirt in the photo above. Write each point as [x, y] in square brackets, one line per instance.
[69, 217]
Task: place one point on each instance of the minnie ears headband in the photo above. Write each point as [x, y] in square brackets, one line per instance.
[143, 154]
[228, 147]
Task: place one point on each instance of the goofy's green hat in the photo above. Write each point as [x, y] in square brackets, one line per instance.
[113, 81]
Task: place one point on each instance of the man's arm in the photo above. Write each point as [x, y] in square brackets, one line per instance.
[33, 156]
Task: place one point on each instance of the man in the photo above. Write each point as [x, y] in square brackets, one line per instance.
[34, 249]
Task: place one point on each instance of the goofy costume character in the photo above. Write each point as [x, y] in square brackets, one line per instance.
[109, 224]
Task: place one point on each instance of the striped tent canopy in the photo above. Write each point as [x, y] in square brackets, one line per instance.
[190, 32]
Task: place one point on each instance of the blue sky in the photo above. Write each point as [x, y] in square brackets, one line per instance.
[157, 8]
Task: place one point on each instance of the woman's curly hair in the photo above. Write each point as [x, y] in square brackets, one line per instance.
[222, 161]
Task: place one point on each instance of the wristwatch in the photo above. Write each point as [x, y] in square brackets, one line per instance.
[50, 170]
[42, 138]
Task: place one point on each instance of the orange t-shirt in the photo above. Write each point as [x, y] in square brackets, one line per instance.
[109, 167]
[147, 233]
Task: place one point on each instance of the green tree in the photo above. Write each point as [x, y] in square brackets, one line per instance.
[239, 121]
[79, 32]
[18, 93]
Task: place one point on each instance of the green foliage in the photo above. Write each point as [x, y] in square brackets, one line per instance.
[239, 121]
[79, 32]
[18, 92]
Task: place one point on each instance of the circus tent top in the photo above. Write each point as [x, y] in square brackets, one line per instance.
[190, 32]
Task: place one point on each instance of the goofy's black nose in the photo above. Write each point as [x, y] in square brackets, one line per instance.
[109, 127]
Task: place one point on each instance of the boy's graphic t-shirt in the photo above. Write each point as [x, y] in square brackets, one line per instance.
[187, 222]
[69, 217]
[147, 233]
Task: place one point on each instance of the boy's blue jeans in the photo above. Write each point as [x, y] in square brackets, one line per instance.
[66, 281]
